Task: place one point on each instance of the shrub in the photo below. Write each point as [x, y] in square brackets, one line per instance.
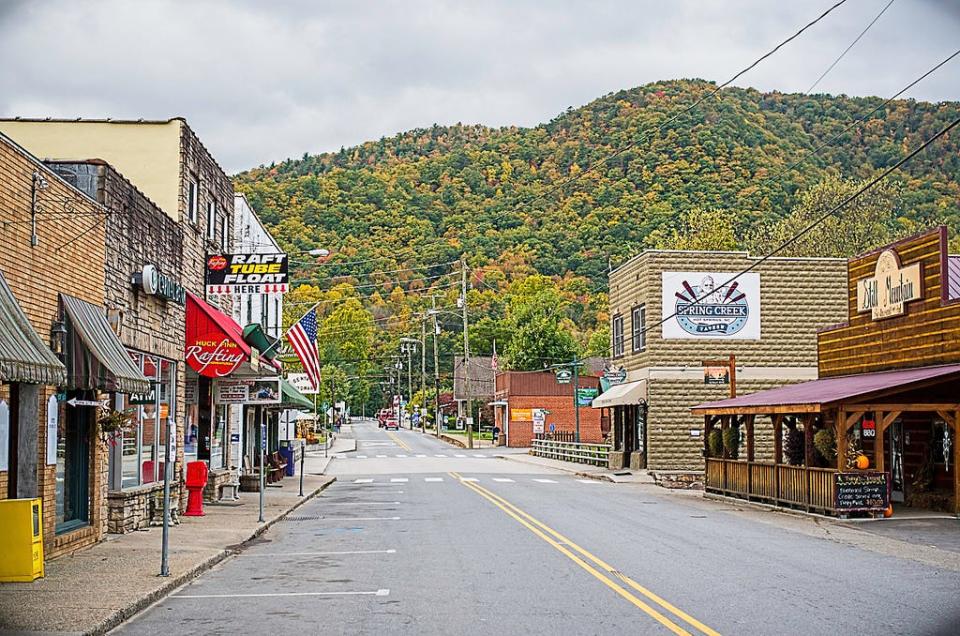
[715, 443]
[826, 444]
[793, 447]
[731, 442]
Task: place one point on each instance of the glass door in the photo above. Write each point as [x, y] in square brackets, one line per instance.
[73, 464]
[895, 430]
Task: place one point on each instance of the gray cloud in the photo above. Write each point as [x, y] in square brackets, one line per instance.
[263, 81]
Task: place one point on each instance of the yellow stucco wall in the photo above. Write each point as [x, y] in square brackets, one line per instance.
[146, 153]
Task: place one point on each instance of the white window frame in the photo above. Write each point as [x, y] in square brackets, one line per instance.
[616, 335]
[638, 328]
[212, 220]
[193, 199]
[224, 242]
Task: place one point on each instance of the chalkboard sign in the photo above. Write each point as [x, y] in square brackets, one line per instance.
[861, 491]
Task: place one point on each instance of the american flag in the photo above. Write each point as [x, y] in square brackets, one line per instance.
[303, 339]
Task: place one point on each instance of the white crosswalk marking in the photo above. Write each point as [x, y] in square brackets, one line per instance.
[469, 479]
[381, 456]
[589, 481]
[340, 456]
[399, 480]
[400, 455]
[421, 455]
[361, 456]
[433, 479]
[363, 481]
[459, 455]
[545, 481]
[439, 455]
[480, 456]
[503, 480]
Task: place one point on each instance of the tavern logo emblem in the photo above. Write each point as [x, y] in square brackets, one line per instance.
[721, 311]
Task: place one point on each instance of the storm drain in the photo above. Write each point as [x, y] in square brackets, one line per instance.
[303, 518]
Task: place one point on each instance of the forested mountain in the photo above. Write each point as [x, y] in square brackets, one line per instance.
[504, 196]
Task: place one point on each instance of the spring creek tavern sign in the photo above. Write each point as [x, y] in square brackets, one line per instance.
[886, 293]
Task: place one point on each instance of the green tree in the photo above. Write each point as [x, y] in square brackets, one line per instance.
[539, 331]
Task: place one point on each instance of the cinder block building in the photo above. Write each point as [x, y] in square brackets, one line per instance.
[673, 311]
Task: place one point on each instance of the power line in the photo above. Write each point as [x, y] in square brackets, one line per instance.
[307, 281]
[686, 110]
[391, 271]
[852, 44]
[796, 237]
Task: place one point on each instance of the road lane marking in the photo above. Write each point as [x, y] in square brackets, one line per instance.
[439, 455]
[363, 481]
[589, 481]
[459, 455]
[433, 479]
[545, 481]
[561, 543]
[399, 441]
[400, 456]
[340, 456]
[300, 554]
[469, 479]
[381, 456]
[361, 456]
[380, 592]
[503, 480]
[421, 455]
[480, 456]
[399, 480]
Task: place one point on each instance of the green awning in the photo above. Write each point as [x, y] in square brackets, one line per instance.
[23, 355]
[255, 336]
[95, 357]
[292, 398]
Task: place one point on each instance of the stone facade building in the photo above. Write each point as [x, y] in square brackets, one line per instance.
[768, 319]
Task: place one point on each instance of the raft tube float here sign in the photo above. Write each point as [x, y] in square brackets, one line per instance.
[247, 274]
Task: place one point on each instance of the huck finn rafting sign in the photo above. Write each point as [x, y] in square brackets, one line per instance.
[247, 274]
[707, 307]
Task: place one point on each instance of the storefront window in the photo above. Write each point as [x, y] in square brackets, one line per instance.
[216, 438]
[191, 426]
[142, 443]
[73, 465]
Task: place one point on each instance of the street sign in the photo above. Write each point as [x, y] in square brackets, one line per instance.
[76, 402]
[553, 427]
[585, 396]
[615, 376]
[564, 376]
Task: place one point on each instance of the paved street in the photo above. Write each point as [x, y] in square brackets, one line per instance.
[417, 537]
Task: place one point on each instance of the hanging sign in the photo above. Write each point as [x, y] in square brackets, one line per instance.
[615, 375]
[53, 422]
[564, 376]
[232, 391]
[247, 274]
[155, 283]
[250, 392]
[585, 396]
[76, 402]
[705, 307]
[886, 293]
[716, 375]
[145, 398]
[301, 382]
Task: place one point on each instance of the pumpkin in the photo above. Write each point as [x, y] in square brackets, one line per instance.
[888, 511]
[862, 462]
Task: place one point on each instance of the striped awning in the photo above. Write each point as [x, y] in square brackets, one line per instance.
[24, 357]
[95, 357]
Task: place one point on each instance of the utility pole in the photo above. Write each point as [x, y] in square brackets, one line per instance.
[466, 351]
[423, 374]
[409, 386]
[436, 369]
[576, 397]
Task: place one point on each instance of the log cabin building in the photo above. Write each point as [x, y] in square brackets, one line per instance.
[888, 390]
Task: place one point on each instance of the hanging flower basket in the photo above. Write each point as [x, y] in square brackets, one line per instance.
[112, 421]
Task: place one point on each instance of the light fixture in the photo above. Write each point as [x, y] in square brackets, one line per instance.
[58, 337]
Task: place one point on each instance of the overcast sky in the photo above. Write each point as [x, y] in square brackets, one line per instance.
[263, 81]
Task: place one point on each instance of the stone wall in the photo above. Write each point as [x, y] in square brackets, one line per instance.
[137, 508]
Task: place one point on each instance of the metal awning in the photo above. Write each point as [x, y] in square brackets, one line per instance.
[290, 397]
[95, 357]
[810, 397]
[23, 355]
[622, 395]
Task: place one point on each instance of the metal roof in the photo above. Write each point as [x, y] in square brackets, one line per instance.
[24, 357]
[830, 390]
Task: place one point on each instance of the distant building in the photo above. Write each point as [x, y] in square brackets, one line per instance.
[768, 319]
[531, 404]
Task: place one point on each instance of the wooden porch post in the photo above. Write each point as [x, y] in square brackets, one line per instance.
[807, 420]
[748, 421]
[724, 424]
[841, 433]
[707, 427]
[878, 441]
[956, 460]
[777, 453]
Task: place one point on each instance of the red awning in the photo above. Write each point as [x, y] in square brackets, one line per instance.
[214, 346]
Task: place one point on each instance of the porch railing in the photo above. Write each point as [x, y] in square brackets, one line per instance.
[581, 453]
[781, 484]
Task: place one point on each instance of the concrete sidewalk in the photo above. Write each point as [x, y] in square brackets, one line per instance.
[581, 470]
[94, 590]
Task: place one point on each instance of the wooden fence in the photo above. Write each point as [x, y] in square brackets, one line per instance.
[595, 454]
[796, 486]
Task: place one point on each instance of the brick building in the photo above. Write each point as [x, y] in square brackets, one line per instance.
[168, 164]
[53, 265]
[768, 320]
[519, 394]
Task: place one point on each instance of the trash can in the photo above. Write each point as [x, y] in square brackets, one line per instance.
[21, 535]
[289, 455]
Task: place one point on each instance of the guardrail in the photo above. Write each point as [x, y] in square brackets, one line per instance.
[595, 454]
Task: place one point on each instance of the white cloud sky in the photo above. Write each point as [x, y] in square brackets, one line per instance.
[263, 81]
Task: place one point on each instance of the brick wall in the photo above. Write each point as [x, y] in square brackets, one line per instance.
[68, 257]
[561, 414]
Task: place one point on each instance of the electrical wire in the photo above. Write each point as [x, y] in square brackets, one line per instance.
[803, 232]
[852, 44]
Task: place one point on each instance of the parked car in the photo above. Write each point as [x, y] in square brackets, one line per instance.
[391, 423]
[382, 416]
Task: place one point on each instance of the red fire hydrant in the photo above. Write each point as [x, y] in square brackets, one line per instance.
[196, 481]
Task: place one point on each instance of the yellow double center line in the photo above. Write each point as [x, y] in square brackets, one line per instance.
[604, 572]
[399, 441]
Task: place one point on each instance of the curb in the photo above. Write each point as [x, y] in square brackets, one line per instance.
[142, 603]
[578, 473]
